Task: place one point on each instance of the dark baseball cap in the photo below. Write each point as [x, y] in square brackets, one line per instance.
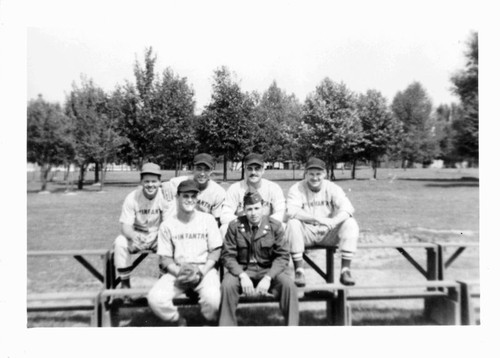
[254, 158]
[188, 186]
[151, 168]
[315, 163]
[204, 158]
[252, 197]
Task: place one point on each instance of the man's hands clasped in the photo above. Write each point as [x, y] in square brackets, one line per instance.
[248, 288]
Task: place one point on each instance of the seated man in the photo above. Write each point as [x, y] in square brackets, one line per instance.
[255, 253]
[188, 238]
[142, 213]
[211, 195]
[273, 199]
[320, 214]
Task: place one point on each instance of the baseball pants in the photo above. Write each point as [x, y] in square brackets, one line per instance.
[161, 295]
[283, 284]
[302, 235]
[124, 255]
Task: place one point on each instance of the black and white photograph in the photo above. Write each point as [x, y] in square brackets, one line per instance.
[302, 173]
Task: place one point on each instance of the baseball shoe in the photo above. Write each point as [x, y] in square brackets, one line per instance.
[346, 278]
[300, 279]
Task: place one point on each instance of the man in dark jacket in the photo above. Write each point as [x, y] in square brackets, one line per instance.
[256, 256]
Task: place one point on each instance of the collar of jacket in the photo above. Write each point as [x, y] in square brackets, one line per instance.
[264, 228]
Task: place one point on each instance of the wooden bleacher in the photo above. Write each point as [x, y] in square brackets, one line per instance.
[446, 302]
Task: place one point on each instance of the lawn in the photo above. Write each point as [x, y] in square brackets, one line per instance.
[400, 206]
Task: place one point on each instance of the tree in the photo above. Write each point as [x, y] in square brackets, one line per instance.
[445, 121]
[380, 129]
[465, 85]
[278, 116]
[138, 123]
[49, 138]
[174, 104]
[95, 120]
[331, 127]
[413, 108]
[227, 126]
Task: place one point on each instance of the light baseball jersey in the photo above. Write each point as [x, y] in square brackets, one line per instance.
[326, 203]
[189, 242]
[144, 214]
[210, 199]
[272, 195]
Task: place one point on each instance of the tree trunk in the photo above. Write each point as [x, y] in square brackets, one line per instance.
[176, 168]
[103, 173]
[81, 177]
[66, 172]
[44, 173]
[242, 171]
[374, 166]
[96, 173]
[353, 169]
[224, 176]
[332, 173]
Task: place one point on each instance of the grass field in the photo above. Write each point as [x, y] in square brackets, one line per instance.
[413, 205]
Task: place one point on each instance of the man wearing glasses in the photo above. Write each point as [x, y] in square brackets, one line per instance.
[273, 199]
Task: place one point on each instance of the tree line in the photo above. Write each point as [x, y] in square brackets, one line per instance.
[153, 119]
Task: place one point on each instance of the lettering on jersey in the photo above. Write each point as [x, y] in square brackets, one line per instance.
[149, 211]
[191, 236]
[204, 206]
[318, 203]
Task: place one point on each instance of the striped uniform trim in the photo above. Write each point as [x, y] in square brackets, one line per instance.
[346, 255]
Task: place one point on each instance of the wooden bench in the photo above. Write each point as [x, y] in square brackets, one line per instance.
[80, 256]
[446, 262]
[441, 294]
[65, 301]
[109, 303]
[442, 299]
[430, 270]
[470, 294]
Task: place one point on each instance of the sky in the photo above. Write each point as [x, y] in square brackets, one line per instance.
[295, 44]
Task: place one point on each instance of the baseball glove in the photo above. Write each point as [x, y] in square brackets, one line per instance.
[189, 277]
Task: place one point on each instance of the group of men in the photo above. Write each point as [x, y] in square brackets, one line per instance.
[250, 231]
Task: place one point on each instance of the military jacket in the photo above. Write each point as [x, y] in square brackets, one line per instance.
[269, 247]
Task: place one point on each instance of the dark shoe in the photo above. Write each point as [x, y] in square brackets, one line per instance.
[127, 300]
[300, 279]
[346, 278]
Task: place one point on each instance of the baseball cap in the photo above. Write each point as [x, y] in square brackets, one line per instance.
[315, 163]
[254, 158]
[151, 168]
[252, 197]
[204, 158]
[187, 186]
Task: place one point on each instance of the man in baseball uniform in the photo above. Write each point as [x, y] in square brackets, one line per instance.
[211, 195]
[320, 213]
[142, 213]
[272, 196]
[256, 256]
[187, 237]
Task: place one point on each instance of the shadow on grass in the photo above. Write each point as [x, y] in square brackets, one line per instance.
[443, 180]
[453, 185]
[56, 188]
